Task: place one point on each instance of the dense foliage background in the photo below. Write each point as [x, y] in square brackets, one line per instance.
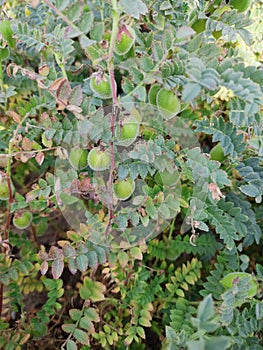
[172, 258]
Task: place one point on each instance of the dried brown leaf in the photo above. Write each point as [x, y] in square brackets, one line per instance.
[27, 144]
[63, 91]
[40, 158]
[15, 116]
[55, 85]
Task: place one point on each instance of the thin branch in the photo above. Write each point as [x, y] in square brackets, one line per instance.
[60, 14]
[10, 200]
[114, 33]
[8, 217]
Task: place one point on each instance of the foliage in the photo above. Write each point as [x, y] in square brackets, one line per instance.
[175, 262]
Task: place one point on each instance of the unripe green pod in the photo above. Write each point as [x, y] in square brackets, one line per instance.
[98, 159]
[100, 84]
[4, 191]
[22, 219]
[78, 158]
[123, 189]
[240, 5]
[168, 103]
[217, 153]
[127, 131]
[125, 40]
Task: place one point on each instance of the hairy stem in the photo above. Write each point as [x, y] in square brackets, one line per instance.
[61, 65]
[149, 74]
[114, 33]
[10, 200]
[60, 14]
[1, 77]
[8, 217]
[76, 326]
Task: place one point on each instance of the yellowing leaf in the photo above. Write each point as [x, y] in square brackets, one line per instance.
[92, 290]
[81, 336]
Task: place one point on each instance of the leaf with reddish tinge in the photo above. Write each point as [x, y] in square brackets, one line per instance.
[57, 268]
[72, 265]
[44, 267]
[56, 84]
[82, 262]
[63, 91]
[76, 96]
[55, 253]
[40, 158]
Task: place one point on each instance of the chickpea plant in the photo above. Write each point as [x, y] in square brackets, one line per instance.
[131, 174]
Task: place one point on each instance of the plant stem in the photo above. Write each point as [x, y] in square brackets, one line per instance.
[8, 217]
[76, 326]
[61, 65]
[150, 73]
[1, 297]
[35, 151]
[1, 77]
[114, 33]
[60, 14]
[63, 69]
[8, 172]
[171, 230]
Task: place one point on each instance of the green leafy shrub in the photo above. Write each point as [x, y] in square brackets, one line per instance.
[131, 174]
